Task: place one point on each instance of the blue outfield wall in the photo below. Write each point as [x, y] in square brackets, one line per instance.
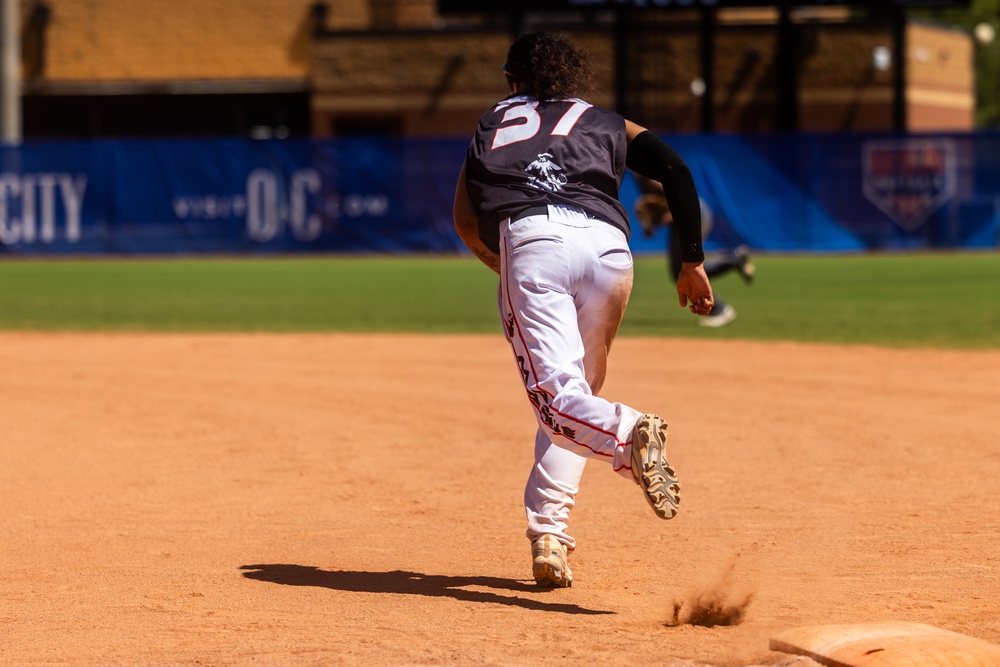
[825, 193]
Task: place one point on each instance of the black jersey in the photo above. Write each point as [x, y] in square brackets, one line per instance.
[528, 153]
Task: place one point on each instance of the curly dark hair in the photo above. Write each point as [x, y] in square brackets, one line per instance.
[549, 66]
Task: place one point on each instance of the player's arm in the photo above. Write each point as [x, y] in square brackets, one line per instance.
[467, 226]
[650, 156]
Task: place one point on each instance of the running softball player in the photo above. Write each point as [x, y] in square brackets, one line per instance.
[652, 211]
[537, 202]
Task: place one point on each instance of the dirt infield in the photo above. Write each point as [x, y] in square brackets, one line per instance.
[338, 499]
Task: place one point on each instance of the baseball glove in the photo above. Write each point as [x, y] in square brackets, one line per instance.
[652, 211]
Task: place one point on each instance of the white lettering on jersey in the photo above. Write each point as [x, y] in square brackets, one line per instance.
[527, 109]
[521, 131]
[569, 118]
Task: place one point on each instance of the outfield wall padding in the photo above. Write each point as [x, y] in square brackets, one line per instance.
[825, 193]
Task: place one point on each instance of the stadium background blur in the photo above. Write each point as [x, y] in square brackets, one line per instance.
[773, 90]
[401, 68]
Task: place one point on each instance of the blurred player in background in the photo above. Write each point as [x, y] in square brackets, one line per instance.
[653, 212]
[537, 202]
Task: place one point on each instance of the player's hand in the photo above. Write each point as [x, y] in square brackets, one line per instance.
[693, 288]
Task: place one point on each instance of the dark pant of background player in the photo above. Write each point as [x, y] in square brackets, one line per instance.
[737, 260]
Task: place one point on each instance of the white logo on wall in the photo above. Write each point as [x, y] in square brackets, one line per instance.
[274, 201]
[547, 175]
[30, 203]
[909, 179]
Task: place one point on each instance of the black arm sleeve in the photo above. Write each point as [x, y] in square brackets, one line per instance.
[650, 156]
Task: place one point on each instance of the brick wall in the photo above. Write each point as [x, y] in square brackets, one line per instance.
[423, 81]
[940, 85]
[149, 40]
[432, 83]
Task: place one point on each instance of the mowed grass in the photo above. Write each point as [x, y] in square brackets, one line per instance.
[902, 300]
[270, 294]
[934, 300]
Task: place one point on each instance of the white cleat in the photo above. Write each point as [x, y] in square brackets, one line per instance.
[550, 562]
[650, 468]
[746, 267]
[718, 318]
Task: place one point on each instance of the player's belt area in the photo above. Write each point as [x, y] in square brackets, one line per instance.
[530, 211]
[542, 210]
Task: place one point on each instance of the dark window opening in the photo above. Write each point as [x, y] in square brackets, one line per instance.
[352, 126]
[264, 115]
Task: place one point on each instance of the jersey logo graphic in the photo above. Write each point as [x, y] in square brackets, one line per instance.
[547, 176]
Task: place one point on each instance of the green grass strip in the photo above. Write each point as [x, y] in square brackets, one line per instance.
[903, 300]
[937, 300]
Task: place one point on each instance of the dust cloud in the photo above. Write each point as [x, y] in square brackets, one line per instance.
[723, 602]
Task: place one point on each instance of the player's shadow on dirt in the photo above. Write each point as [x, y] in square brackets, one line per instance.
[410, 583]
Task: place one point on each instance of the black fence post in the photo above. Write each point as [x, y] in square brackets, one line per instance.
[898, 18]
[708, 68]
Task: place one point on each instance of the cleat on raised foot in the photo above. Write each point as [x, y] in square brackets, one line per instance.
[550, 562]
[650, 468]
[744, 264]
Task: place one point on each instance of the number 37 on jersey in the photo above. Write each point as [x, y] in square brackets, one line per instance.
[522, 121]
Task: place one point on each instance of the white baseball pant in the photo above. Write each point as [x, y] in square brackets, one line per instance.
[565, 279]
